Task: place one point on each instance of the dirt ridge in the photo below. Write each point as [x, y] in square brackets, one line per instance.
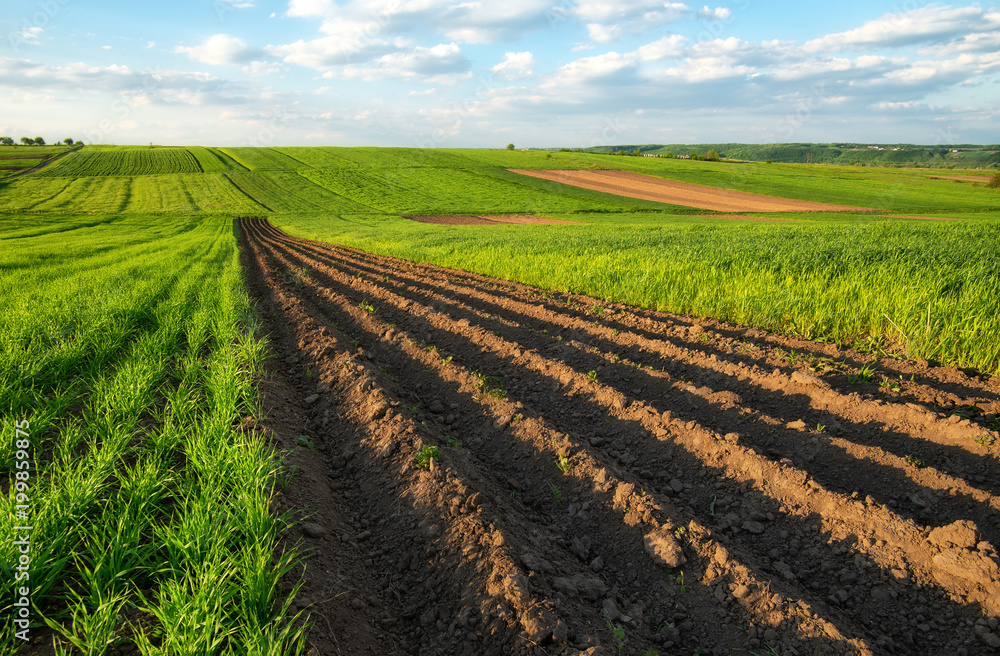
[780, 557]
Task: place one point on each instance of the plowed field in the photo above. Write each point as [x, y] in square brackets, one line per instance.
[613, 480]
[647, 187]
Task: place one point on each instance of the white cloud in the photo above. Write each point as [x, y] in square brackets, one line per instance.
[604, 33]
[218, 50]
[31, 35]
[668, 46]
[929, 23]
[610, 67]
[337, 50]
[472, 21]
[976, 42]
[516, 65]
[719, 13]
[443, 63]
[151, 44]
[610, 20]
[261, 68]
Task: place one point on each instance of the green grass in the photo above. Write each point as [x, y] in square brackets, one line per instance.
[926, 289]
[131, 351]
[125, 160]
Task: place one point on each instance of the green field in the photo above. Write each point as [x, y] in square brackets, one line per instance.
[128, 342]
[926, 289]
[131, 359]
[17, 159]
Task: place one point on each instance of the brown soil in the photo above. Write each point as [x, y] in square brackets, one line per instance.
[487, 219]
[715, 493]
[636, 185]
[961, 178]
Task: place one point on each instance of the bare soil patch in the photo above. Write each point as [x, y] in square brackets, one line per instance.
[962, 178]
[487, 219]
[608, 477]
[645, 187]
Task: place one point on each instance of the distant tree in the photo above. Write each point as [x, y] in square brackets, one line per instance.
[994, 182]
[712, 156]
[637, 152]
[510, 146]
[39, 141]
[27, 141]
[695, 157]
[68, 141]
[6, 141]
[668, 155]
[78, 143]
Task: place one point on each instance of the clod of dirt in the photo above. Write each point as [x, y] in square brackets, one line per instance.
[664, 548]
[541, 625]
[311, 530]
[960, 534]
[973, 566]
[807, 379]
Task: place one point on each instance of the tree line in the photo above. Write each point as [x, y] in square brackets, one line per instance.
[37, 141]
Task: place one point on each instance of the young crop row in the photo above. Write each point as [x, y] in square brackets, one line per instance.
[284, 191]
[125, 161]
[129, 355]
[210, 193]
[426, 190]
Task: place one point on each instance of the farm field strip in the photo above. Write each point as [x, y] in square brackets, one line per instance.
[528, 612]
[131, 161]
[151, 513]
[635, 185]
[686, 435]
[890, 472]
[660, 351]
[285, 191]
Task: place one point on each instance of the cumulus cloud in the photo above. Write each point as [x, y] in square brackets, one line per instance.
[326, 52]
[30, 35]
[719, 13]
[218, 50]
[516, 65]
[443, 62]
[668, 46]
[608, 20]
[930, 23]
[473, 21]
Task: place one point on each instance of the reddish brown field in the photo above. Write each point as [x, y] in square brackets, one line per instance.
[646, 187]
[707, 488]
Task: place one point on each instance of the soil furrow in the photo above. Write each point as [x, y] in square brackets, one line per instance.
[888, 454]
[795, 609]
[840, 565]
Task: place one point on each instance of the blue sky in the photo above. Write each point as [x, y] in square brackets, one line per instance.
[538, 73]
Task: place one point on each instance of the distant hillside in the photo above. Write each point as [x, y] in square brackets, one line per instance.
[952, 155]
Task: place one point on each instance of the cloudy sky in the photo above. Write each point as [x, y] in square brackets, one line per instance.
[539, 73]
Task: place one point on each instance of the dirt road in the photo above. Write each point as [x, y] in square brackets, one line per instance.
[613, 477]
